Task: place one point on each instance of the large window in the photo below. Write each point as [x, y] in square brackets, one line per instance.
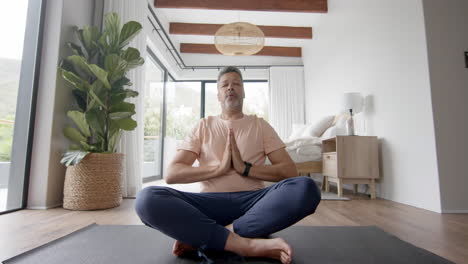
[20, 23]
[255, 102]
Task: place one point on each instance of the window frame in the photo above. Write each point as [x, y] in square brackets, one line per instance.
[21, 153]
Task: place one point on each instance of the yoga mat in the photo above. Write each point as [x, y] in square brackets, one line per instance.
[141, 244]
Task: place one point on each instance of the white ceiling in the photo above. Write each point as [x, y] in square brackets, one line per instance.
[293, 19]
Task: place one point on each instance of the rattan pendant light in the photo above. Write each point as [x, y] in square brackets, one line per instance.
[239, 39]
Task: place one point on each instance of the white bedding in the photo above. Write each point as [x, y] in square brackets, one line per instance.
[304, 149]
[304, 154]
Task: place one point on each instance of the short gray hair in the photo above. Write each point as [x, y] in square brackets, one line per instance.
[229, 69]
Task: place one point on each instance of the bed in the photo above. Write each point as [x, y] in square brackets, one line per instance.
[305, 143]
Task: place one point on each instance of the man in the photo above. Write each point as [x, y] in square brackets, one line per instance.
[234, 211]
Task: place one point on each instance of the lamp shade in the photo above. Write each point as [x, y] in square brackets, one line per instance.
[240, 38]
[352, 101]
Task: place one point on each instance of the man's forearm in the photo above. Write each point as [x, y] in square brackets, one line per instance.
[274, 173]
[182, 173]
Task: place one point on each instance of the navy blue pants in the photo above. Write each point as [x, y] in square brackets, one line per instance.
[199, 219]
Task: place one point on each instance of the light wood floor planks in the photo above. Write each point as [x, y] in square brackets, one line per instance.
[443, 234]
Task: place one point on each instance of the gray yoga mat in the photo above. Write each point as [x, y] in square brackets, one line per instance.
[141, 244]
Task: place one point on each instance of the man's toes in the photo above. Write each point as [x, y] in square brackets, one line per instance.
[285, 259]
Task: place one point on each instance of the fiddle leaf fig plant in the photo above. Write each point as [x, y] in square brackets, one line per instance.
[97, 73]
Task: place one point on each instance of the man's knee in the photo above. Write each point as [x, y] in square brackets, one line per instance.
[309, 192]
[149, 199]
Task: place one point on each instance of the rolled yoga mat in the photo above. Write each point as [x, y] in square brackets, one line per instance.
[141, 244]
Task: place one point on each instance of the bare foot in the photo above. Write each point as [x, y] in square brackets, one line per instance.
[275, 248]
[180, 248]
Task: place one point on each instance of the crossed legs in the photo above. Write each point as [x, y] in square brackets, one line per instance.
[199, 219]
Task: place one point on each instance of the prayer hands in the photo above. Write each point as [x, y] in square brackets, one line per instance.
[237, 161]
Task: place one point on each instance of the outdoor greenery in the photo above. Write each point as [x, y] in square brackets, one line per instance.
[97, 72]
[9, 81]
[6, 139]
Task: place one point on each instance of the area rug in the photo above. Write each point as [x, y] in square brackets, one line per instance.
[141, 244]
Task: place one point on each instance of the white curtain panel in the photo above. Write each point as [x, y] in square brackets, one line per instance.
[287, 99]
[131, 143]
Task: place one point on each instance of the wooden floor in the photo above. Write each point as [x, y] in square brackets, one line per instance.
[445, 235]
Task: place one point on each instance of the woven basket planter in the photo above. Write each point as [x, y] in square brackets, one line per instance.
[94, 183]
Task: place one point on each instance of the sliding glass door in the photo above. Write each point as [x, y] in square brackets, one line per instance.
[20, 24]
[183, 112]
[154, 102]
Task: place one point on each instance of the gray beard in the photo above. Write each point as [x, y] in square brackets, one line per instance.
[232, 105]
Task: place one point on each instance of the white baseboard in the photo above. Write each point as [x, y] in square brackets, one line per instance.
[455, 211]
[44, 207]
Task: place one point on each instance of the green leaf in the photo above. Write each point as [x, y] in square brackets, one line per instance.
[112, 28]
[120, 115]
[115, 66]
[132, 56]
[101, 74]
[131, 93]
[103, 45]
[75, 49]
[80, 121]
[90, 35]
[96, 120]
[113, 127]
[118, 86]
[96, 99]
[113, 140]
[126, 124]
[80, 98]
[80, 63]
[66, 65]
[98, 95]
[92, 103]
[122, 110]
[88, 147]
[129, 31]
[120, 96]
[75, 80]
[73, 157]
[73, 134]
[122, 107]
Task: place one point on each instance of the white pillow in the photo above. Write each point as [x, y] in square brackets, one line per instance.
[297, 130]
[317, 129]
[329, 133]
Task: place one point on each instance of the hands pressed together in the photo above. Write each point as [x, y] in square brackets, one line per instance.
[231, 157]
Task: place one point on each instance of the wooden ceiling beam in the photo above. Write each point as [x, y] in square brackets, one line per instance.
[304, 6]
[266, 51]
[269, 31]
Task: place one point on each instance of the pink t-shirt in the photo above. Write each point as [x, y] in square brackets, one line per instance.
[255, 139]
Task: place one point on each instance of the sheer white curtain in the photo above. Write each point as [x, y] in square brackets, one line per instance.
[131, 143]
[287, 98]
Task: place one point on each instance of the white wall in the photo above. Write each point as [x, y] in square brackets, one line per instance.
[54, 99]
[447, 40]
[378, 48]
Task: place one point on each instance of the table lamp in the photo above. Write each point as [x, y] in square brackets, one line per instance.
[352, 103]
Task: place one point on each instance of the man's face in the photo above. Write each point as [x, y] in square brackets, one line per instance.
[231, 91]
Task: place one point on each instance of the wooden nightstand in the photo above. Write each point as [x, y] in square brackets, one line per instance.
[350, 159]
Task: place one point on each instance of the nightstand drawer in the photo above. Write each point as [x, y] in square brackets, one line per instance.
[329, 164]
